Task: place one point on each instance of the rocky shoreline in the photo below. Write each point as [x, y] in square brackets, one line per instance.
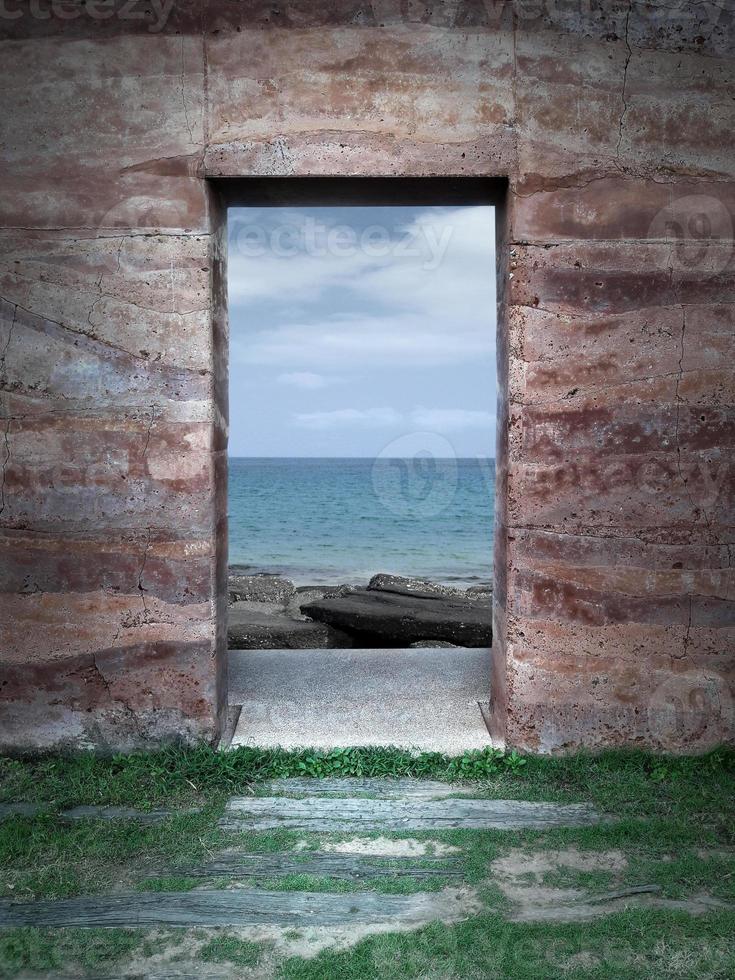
[268, 612]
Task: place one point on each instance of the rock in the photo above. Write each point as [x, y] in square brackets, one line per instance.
[259, 588]
[432, 644]
[374, 617]
[248, 629]
[479, 592]
[422, 588]
[308, 593]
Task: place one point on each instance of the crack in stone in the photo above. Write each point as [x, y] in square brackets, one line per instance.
[149, 430]
[77, 331]
[10, 337]
[687, 636]
[6, 460]
[100, 232]
[624, 113]
[117, 700]
[102, 295]
[592, 389]
[141, 587]
[183, 91]
[9, 420]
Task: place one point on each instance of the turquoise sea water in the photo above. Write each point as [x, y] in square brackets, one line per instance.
[343, 520]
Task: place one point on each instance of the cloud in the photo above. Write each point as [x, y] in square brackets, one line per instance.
[303, 379]
[451, 419]
[442, 420]
[370, 418]
[427, 303]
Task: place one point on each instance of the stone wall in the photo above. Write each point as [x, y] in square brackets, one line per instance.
[613, 123]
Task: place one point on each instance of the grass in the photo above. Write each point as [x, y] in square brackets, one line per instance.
[181, 776]
[67, 950]
[674, 826]
[230, 949]
[631, 944]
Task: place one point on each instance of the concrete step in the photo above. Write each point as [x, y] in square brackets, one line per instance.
[424, 699]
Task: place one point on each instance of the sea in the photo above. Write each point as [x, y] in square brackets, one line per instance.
[329, 521]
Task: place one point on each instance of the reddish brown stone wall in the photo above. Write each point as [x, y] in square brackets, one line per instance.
[613, 122]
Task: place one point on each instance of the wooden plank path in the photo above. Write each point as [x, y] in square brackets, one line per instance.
[8, 810]
[227, 907]
[235, 864]
[307, 805]
[338, 815]
[383, 788]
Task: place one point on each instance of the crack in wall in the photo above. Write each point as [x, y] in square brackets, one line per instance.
[130, 713]
[183, 91]
[623, 114]
[78, 332]
[149, 430]
[9, 419]
[6, 460]
[141, 588]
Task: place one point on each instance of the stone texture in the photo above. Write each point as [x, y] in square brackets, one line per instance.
[259, 588]
[271, 628]
[614, 618]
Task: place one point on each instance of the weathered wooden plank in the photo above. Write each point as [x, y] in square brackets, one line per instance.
[235, 864]
[8, 810]
[417, 789]
[324, 814]
[237, 907]
[93, 812]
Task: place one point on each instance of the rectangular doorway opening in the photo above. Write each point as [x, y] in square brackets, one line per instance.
[361, 460]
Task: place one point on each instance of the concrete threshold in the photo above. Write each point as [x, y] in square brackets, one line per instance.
[425, 699]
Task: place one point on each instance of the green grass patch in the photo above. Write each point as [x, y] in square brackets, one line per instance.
[635, 944]
[180, 776]
[673, 825]
[171, 883]
[230, 949]
[70, 951]
[45, 857]
[618, 781]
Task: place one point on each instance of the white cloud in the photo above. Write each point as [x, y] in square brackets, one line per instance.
[303, 379]
[331, 308]
[349, 417]
[451, 419]
[442, 420]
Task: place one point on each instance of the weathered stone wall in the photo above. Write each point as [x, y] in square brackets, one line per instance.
[613, 122]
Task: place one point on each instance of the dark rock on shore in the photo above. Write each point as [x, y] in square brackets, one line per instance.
[268, 612]
[259, 588]
[423, 589]
[272, 628]
[376, 617]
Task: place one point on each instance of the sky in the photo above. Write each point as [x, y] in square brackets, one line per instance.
[362, 331]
